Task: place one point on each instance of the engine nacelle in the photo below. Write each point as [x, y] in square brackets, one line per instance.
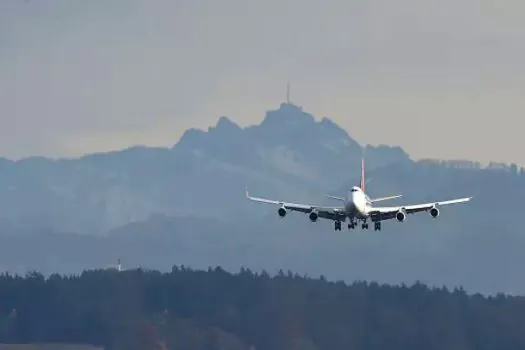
[282, 212]
[434, 212]
[313, 216]
[401, 216]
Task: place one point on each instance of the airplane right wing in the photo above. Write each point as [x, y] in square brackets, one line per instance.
[330, 213]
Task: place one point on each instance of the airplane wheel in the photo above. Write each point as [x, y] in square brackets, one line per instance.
[377, 226]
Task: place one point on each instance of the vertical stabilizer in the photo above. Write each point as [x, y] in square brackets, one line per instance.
[363, 180]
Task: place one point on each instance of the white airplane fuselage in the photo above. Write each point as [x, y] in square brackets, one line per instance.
[357, 205]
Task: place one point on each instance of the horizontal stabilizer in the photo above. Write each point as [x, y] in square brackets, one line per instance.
[338, 198]
[384, 198]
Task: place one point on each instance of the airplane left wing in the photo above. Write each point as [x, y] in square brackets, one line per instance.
[385, 213]
[331, 213]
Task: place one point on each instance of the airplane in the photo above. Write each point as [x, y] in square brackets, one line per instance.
[358, 206]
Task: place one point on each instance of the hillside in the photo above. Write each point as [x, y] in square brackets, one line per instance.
[187, 309]
[422, 249]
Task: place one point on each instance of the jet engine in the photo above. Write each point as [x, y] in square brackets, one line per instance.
[401, 216]
[313, 216]
[281, 212]
[434, 212]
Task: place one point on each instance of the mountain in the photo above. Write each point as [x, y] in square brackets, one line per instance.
[155, 207]
[289, 154]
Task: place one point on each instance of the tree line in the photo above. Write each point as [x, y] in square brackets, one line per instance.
[215, 309]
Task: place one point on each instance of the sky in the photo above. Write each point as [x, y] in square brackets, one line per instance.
[440, 78]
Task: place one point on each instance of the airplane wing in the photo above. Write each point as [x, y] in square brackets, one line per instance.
[386, 213]
[331, 213]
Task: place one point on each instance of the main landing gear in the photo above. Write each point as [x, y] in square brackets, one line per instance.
[353, 224]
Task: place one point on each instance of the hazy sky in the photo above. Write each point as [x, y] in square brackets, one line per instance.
[441, 78]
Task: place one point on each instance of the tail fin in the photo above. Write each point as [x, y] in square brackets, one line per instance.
[363, 180]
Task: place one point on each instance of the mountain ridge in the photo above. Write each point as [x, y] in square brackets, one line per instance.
[185, 204]
[289, 152]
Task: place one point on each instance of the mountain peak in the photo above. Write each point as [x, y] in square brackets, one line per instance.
[287, 114]
[195, 138]
[290, 107]
[224, 123]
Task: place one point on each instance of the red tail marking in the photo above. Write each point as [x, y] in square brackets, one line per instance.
[363, 174]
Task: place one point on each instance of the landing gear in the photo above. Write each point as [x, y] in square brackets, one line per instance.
[353, 224]
[337, 225]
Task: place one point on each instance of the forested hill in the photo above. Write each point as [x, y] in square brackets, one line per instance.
[187, 309]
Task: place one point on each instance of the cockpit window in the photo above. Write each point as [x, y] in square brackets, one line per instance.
[354, 190]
